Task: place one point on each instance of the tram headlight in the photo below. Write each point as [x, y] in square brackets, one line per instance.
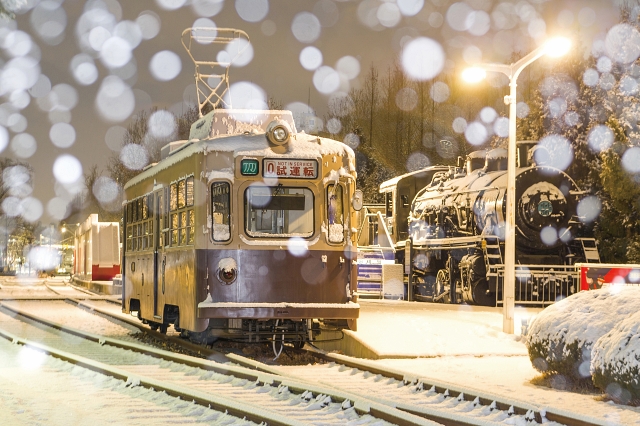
[227, 276]
[227, 271]
[278, 132]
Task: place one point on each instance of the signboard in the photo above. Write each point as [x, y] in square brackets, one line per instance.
[249, 167]
[290, 168]
[595, 275]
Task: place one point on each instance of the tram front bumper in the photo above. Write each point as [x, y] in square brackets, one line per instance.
[348, 310]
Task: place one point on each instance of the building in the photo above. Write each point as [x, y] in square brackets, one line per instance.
[97, 250]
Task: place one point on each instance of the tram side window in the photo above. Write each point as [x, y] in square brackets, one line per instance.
[335, 213]
[165, 224]
[221, 211]
[181, 229]
[278, 211]
[139, 232]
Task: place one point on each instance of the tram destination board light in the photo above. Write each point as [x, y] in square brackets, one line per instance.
[249, 167]
[555, 47]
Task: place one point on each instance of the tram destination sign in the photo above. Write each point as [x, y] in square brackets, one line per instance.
[290, 168]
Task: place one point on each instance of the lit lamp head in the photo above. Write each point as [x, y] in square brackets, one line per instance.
[557, 46]
[474, 74]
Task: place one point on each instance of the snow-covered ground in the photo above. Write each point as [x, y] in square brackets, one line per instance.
[465, 345]
[462, 345]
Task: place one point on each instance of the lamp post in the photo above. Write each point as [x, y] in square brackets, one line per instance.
[554, 47]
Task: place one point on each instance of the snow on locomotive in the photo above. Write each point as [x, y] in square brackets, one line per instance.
[243, 231]
[455, 235]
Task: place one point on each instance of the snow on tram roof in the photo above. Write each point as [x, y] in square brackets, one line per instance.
[301, 146]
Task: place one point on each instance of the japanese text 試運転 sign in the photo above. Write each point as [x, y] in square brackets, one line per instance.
[290, 168]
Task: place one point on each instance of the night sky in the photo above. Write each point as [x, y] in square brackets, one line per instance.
[350, 35]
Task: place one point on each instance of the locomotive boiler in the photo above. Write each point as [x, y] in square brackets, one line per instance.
[455, 248]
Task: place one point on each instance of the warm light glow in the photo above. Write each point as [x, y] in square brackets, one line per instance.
[474, 74]
[557, 46]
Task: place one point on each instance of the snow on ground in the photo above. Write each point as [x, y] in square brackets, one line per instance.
[40, 390]
[428, 330]
[465, 345]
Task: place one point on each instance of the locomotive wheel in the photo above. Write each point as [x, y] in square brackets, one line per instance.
[442, 282]
[481, 294]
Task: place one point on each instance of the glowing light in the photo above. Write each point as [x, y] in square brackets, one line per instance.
[162, 124]
[297, 246]
[114, 137]
[31, 209]
[165, 65]
[252, 10]
[62, 135]
[488, 115]
[417, 161]
[410, 7]
[349, 66]
[549, 235]
[105, 189]
[423, 58]
[476, 133]
[333, 126]
[306, 27]
[115, 100]
[459, 125]
[474, 74]
[557, 46]
[600, 138]
[134, 156]
[501, 127]
[24, 145]
[589, 208]
[149, 24]
[439, 91]
[67, 169]
[352, 140]
[631, 160]
[310, 58]
[326, 80]
[622, 43]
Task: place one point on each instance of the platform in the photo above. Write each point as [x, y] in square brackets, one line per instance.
[112, 288]
[400, 329]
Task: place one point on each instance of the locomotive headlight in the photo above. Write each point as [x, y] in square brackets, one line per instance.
[545, 208]
[278, 132]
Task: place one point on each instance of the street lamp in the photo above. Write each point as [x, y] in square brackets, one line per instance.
[555, 47]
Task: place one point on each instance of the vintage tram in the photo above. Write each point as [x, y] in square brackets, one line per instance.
[243, 231]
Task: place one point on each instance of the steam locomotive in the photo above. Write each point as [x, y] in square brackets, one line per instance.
[450, 238]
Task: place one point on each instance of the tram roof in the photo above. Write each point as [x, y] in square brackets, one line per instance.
[301, 146]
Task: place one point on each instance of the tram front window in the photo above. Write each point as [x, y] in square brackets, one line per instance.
[278, 211]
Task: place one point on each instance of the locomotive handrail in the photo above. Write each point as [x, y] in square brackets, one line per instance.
[436, 243]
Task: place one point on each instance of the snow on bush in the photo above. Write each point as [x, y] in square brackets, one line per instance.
[561, 338]
[615, 366]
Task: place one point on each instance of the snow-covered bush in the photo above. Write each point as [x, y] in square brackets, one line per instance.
[615, 366]
[560, 338]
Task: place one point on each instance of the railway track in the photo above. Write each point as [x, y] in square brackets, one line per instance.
[239, 391]
[356, 376]
[346, 379]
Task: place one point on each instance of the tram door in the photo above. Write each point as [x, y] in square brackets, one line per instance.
[158, 253]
